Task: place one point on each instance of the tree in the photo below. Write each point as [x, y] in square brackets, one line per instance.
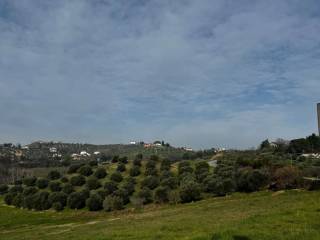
[115, 159]
[190, 191]
[135, 171]
[137, 162]
[3, 189]
[55, 186]
[121, 167]
[116, 176]
[145, 194]
[287, 177]
[201, 170]
[76, 200]
[93, 183]
[85, 170]
[112, 203]
[250, 180]
[161, 195]
[94, 203]
[78, 180]
[150, 182]
[29, 181]
[18, 200]
[100, 173]
[170, 182]
[58, 197]
[184, 167]
[40, 201]
[74, 168]
[165, 165]
[16, 189]
[123, 160]
[8, 198]
[67, 188]
[54, 175]
[57, 206]
[29, 191]
[93, 163]
[110, 187]
[265, 145]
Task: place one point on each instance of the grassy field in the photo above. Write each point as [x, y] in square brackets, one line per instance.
[263, 215]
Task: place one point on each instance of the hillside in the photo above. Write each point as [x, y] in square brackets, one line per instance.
[264, 215]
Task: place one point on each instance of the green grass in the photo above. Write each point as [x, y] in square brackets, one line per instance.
[263, 215]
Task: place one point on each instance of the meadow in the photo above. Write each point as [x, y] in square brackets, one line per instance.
[263, 215]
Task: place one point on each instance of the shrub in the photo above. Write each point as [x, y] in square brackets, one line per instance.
[16, 189]
[151, 164]
[54, 175]
[190, 191]
[115, 159]
[161, 195]
[42, 183]
[18, 200]
[287, 177]
[135, 171]
[85, 193]
[154, 158]
[93, 183]
[165, 165]
[103, 193]
[58, 197]
[8, 198]
[40, 201]
[29, 181]
[129, 187]
[94, 203]
[100, 173]
[85, 170]
[165, 174]
[3, 189]
[78, 180]
[28, 202]
[67, 188]
[64, 180]
[219, 186]
[151, 172]
[137, 162]
[124, 194]
[170, 182]
[76, 200]
[174, 197]
[201, 170]
[146, 195]
[93, 163]
[112, 203]
[150, 182]
[116, 176]
[110, 187]
[57, 206]
[249, 180]
[123, 160]
[184, 167]
[55, 186]
[74, 168]
[29, 191]
[18, 182]
[121, 167]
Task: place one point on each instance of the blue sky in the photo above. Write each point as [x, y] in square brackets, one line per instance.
[198, 73]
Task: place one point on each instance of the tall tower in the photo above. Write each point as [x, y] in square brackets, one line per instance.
[318, 111]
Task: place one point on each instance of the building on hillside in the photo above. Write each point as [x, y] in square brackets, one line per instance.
[311, 155]
[133, 142]
[75, 156]
[188, 149]
[96, 153]
[85, 154]
[53, 150]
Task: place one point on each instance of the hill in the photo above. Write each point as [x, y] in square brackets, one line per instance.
[264, 215]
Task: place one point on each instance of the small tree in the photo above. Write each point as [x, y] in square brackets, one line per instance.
[16, 189]
[30, 181]
[57, 206]
[100, 173]
[135, 171]
[29, 191]
[146, 195]
[3, 189]
[170, 182]
[93, 183]
[18, 200]
[67, 188]
[150, 182]
[58, 197]
[116, 176]
[74, 168]
[112, 203]
[55, 186]
[40, 201]
[110, 187]
[93, 163]
[8, 198]
[54, 175]
[121, 167]
[184, 167]
[78, 180]
[85, 170]
[161, 195]
[190, 191]
[94, 203]
[201, 170]
[123, 160]
[76, 200]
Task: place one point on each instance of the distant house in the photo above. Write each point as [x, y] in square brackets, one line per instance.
[188, 149]
[75, 156]
[96, 153]
[311, 155]
[85, 154]
[53, 150]
[133, 142]
[148, 145]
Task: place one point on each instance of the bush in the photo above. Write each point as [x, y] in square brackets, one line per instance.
[64, 180]
[93, 163]
[170, 182]
[54, 175]
[3, 189]
[42, 183]
[201, 170]
[94, 203]
[58, 197]
[85, 170]
[154, 158]
[100, 173]
[116, 176]
[219, 186]
[18, 182]
[129, 187]
[124, 194]
[151, 164]
[287, 177]
[165, 165]
[146, 195]
[174, 197]
[190, 191]
[78, 180]
[55, 186]
[29, 191]
[121, 167]
[110, 187]
[28, 202]
[76, 200]
[8, 198]
[93, 183]
[123, 160]
[103, 193]
[151, 172]
[137, 162]
[135, 171]
[74, 168]
[18, 200]
[184, 167]
[29, 181]
[161, 195]
[113, 203]
[40, 201]
[115, 159]
[150, 182]
[67, 188]
[57, 206]
[16, 189]
[250, 180]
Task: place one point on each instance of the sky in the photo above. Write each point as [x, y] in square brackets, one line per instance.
[204, 73]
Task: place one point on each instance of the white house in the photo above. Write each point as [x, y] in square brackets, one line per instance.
[96, 153]
[53, 150]
[85, 154]
[133, 142]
